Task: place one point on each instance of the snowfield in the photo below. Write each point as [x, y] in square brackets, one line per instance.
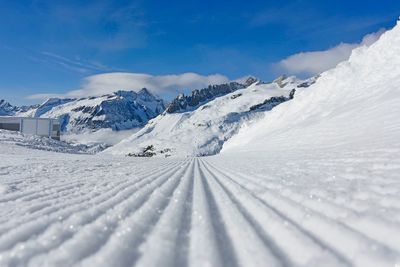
[318, 209]
[315, 182]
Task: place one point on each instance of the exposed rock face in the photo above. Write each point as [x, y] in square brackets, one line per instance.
[184, 103]
[250, 81]
[272, 102]
[307, 83]
[281, 81]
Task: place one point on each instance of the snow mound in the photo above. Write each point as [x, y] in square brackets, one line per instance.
[355, 105]
[204, 130]
[47, 144]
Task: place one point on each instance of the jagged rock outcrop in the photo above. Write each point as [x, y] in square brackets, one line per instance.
[272, 102]
[183, 103]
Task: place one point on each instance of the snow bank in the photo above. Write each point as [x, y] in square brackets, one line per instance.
[355, 105]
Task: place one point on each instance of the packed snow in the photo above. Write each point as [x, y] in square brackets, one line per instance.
[312, 182]
[315, 209]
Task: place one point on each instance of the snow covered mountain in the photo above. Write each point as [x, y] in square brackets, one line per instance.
[6, 108]
[353, 106]
[118, 111]
[199, 124]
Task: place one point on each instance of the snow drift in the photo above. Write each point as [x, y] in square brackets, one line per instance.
[356, 105]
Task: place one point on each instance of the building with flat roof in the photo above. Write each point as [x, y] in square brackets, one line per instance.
[36, 126]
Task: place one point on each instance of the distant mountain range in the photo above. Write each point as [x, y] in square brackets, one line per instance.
[200, 123]
[118, 111]
[190, 125]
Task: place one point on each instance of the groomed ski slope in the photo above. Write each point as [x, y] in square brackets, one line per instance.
[320, 209]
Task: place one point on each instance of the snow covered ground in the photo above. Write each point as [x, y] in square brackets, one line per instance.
[309, 209]
[102, 136]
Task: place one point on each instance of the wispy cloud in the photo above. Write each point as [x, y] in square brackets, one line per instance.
[164, 85]
[312, 63]
[77, 64]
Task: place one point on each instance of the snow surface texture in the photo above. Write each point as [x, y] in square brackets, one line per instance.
[318, 209]
[204, 130]
[355, 105]
[101, 136]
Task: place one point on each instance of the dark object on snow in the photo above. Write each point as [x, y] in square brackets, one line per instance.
[272, 102]
[148, 152]
[235, 96]
[291, 94]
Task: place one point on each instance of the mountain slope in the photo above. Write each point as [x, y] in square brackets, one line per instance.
[6, 109]
[204, 130]
[118, 111]
[355, 105]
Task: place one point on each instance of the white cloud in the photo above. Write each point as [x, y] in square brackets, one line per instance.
[318, 61]
[163, 85]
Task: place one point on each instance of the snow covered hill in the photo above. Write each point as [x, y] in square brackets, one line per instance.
[208, 121]
[356, 105]
[118, 111]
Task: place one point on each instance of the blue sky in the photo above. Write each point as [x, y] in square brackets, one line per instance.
[55, 47]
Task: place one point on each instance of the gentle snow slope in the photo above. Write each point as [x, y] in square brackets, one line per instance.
[357, 104]
[204, 130]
